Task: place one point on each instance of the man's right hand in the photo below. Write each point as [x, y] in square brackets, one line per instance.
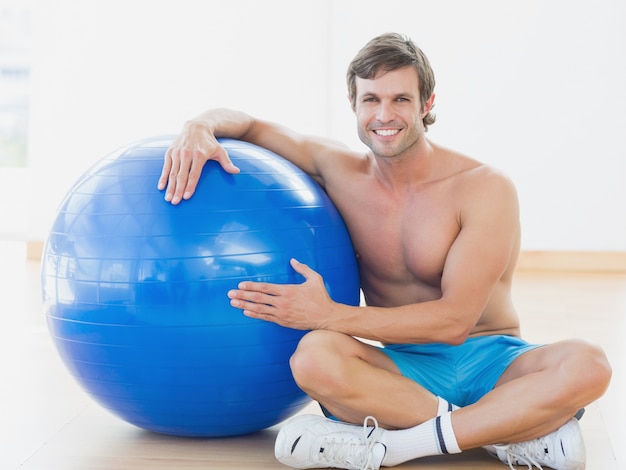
[185, 159]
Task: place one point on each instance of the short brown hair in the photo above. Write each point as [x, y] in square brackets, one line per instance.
[388, 52]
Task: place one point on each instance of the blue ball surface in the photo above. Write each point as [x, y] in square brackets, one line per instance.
[135, 288]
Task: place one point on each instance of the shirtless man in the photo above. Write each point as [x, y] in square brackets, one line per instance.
[437, 237]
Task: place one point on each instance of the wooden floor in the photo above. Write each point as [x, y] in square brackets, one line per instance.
[47, 422]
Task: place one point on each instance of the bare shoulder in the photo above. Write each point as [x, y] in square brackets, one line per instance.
[334, 161]
[470, 174]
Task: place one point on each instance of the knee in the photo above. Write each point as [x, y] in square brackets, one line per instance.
[314, 363]
[590, 366]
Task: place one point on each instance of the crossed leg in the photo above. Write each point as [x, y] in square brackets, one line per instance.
[540, 391]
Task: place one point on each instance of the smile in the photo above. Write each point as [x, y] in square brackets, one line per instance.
[386, 132]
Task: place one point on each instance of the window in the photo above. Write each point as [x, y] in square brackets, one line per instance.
[15, 36]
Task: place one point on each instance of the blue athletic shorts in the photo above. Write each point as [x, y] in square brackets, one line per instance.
[460, 374]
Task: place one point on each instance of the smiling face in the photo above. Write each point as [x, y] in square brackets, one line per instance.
[389, 112]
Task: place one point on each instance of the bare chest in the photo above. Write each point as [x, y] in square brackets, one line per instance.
[401, 242]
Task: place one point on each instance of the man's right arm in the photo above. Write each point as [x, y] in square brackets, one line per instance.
[197, 143]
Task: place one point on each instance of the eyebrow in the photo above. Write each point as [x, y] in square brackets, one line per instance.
[397, 95]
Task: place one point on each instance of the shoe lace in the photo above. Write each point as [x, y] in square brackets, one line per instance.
[527, 453]
[353, 451]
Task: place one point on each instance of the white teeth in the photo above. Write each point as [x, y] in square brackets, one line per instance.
[386, 132]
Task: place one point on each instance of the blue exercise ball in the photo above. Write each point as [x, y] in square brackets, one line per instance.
[134, 288]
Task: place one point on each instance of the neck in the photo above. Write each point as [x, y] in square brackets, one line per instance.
[413, 166]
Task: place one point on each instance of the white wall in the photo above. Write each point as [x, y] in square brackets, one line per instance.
[533, 87]
[108, 72]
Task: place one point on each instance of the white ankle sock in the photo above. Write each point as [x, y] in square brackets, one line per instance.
[434, 437]
[444, 406]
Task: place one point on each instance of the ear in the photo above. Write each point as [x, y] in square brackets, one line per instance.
[352, 105]
[428, 106]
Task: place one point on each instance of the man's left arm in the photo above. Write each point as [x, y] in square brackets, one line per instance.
[476, 261]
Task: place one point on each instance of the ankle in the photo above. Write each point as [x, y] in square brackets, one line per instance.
[445, 406]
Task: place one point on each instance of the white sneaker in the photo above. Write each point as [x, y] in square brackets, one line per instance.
[311, 441]
[562, 449]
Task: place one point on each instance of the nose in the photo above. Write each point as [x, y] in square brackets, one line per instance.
[385, 112]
